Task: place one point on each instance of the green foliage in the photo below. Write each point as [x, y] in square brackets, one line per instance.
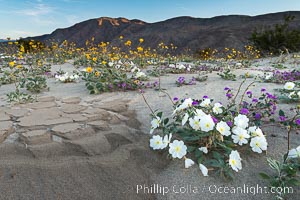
[227, 75]
[19, 97]
[277, 39]
[34, 84]
[285, 174]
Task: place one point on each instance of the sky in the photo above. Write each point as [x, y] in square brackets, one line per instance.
[22, 18]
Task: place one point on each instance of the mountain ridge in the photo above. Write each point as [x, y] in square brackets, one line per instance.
[185, 32]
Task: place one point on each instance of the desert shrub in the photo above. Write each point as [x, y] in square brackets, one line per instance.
[277, 38]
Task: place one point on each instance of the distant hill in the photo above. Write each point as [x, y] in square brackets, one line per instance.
[184, 32]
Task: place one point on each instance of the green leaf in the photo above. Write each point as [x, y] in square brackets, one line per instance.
[281, 113]
[264, 176]
[293, 182]
[166, 121]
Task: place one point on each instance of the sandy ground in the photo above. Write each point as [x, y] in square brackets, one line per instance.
[79, 170]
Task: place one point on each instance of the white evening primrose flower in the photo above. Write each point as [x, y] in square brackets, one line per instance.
[241, 121]
[223, 128]
[205, 103]
[166, 141]
[110, 64]
[155, 123]
[199, 113]
[140, 74]
[255, 132]
[76, 76]
[177, 149]
[268, 76]
[240, 136]
[294, 153]
[186, 103]
[258, 144]
[188, 163]
[203, 169]
[292, 95]
[185, 119]
[217, 109]
[171, 65]
[289, 85]
[235, 161]
[207, 123]
[195, 123]
[156, 142]
[203, 149]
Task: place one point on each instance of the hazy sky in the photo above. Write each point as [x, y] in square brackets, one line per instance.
[22, 18]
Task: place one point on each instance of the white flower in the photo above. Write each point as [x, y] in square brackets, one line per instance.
[203, 169]
[205, 103]
[240, 136]
[140, 74]
[298, 94]
[185, 118]
[235, 161]
[255, 132]
[199, 113]
[195, 123]
[241, 121]
[177, 149]
[166, 141]
[155, 123]
[186, 103]
[223, 128]
[207, 123]
[258, 144]
[110, 64]
[76, 76]
[172, 66]
[62, 78]
[156, 142]
[188, 163]
[294, 153]
[180, 66]
[292, 95]
[269, 76]
[217, 109]
[289, 85]
[203, 149]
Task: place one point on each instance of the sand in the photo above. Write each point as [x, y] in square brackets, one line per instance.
[112, 160]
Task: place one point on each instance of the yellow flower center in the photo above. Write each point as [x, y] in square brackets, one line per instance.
[207, 125]
[157, 142]
[221, 129]
[257, 144]
[177, 149]
[241, 137]
[233, 162]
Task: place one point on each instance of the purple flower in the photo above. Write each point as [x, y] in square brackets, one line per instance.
[249, 93]
[244, 111]
[215, 119]
[298, 121]
[263, 90]
[195, 103]
[226, 88]
[205, 97]
[229, 95]
[175, 99]
[254, 100]
[282, 118]
[229, 123]
[123, 85]
[257, 116]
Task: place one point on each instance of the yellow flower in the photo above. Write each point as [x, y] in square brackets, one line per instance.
[140, 49]
[128, 43]
[11, 64]
[97, 73]
[136, 82]
[89, 69]
[94, 59]
[88, 56]
[103, 62]
[121, 37]
[19, 66]
[141, 40]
